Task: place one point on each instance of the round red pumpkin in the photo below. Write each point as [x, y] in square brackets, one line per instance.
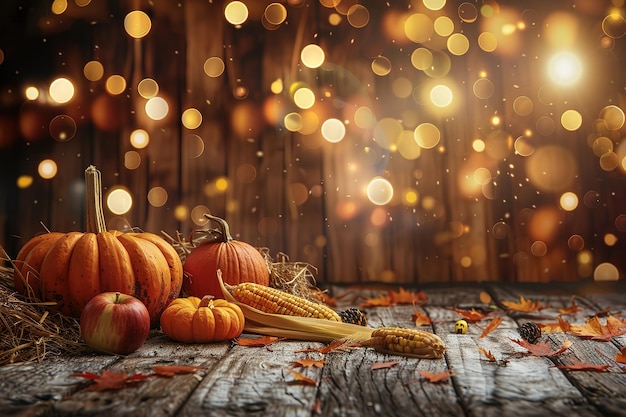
[238, 262]
[71, 268]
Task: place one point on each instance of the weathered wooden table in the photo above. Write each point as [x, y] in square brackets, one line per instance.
[238, 380]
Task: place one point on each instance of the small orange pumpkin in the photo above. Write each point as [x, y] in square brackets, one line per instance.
[71, 268]
[238, 262]
[195, 320]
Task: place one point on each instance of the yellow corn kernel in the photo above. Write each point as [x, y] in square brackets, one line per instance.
[275, 301]
[408, 342]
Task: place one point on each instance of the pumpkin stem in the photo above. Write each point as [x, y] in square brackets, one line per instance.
[207, 301]
[222, 227]
[94, 215]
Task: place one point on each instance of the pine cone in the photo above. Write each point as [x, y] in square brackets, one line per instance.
[530, 332]
[354, 316]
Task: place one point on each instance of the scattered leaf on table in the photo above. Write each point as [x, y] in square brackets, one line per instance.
[383, 300]
[332, 346]
[484, 297]
[524, 305]
[403, 296]
[307, 363]
[300, 379]
[581, 366]
[110, 380]
[257, 342]
[420, 319]
[621, 356]
[493, 324]
[542, 348]
[383, 365]
[470, 315]
[171, 370]
[435, 377]
[573, 308]
[560, 326]
[487, 354]
[595, 330]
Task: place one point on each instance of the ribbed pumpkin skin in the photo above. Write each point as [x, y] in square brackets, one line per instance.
[192, 320]
[71, 268]
[238, 261]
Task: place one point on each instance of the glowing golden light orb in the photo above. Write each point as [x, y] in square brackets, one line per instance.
[137, 24]
[565, 68]
[61, 90]
[236, 13]
[119, 201]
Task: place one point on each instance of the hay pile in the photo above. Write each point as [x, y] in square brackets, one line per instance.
[30, 333]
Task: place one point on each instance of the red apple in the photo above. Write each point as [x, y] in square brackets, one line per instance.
[113, 322]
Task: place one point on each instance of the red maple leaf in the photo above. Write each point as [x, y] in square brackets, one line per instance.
[581, 366]
[573, 308]
[621, 356]
[110, 380]
[420, 319]
[542, 348]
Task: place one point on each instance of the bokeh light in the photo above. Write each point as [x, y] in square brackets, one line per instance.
[565, 68]
[139, 138]
[379, 191]
[119, 201]
[61, 90]
[47, 169]
[236, 13]
[157, 108]
[137, 24]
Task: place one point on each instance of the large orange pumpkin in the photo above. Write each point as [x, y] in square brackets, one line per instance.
[238, 262]
[71, 268]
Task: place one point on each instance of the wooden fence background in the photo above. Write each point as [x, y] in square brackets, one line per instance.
[297, 193]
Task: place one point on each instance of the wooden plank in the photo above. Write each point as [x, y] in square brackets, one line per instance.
[255, 380]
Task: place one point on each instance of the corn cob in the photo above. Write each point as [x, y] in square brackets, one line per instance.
[275, 301]
[407, 342]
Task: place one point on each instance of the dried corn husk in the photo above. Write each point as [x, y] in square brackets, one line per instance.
[300, 328]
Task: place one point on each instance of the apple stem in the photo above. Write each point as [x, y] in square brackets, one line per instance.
[117, 298]
[207, 301]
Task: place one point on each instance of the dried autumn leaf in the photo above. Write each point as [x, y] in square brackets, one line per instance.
[435, 377]
[380, 301]
[403, 296]
[300, 379]
[171, 370]
[487, 354]
[383, 365]
[524, 305]
[493, 324]
[621, 356]
[484, 297]
[420, 319]
[542, 348]
[560, 326]
[257, 342]
[110, 380]
[581, 366]
[332, 346]
[470, 315]
[307, 363]
[573, 308]
[595, 330]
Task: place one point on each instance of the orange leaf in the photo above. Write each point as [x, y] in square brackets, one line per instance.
[380, 301]
[621, 356]
[581, 366]
[403, 296]
[595, 330]
[382, 365]
[171, 370]
[110, 380]
[435, 377]
[307, 363]
[560, 326]
[420, 319]
[493, 324]
[257, 342]
[484, 297]
[524, 305]
[470, 315]
[542, 348]
[301, 379]
[487, 354]
[326, 349]
[571, 309]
